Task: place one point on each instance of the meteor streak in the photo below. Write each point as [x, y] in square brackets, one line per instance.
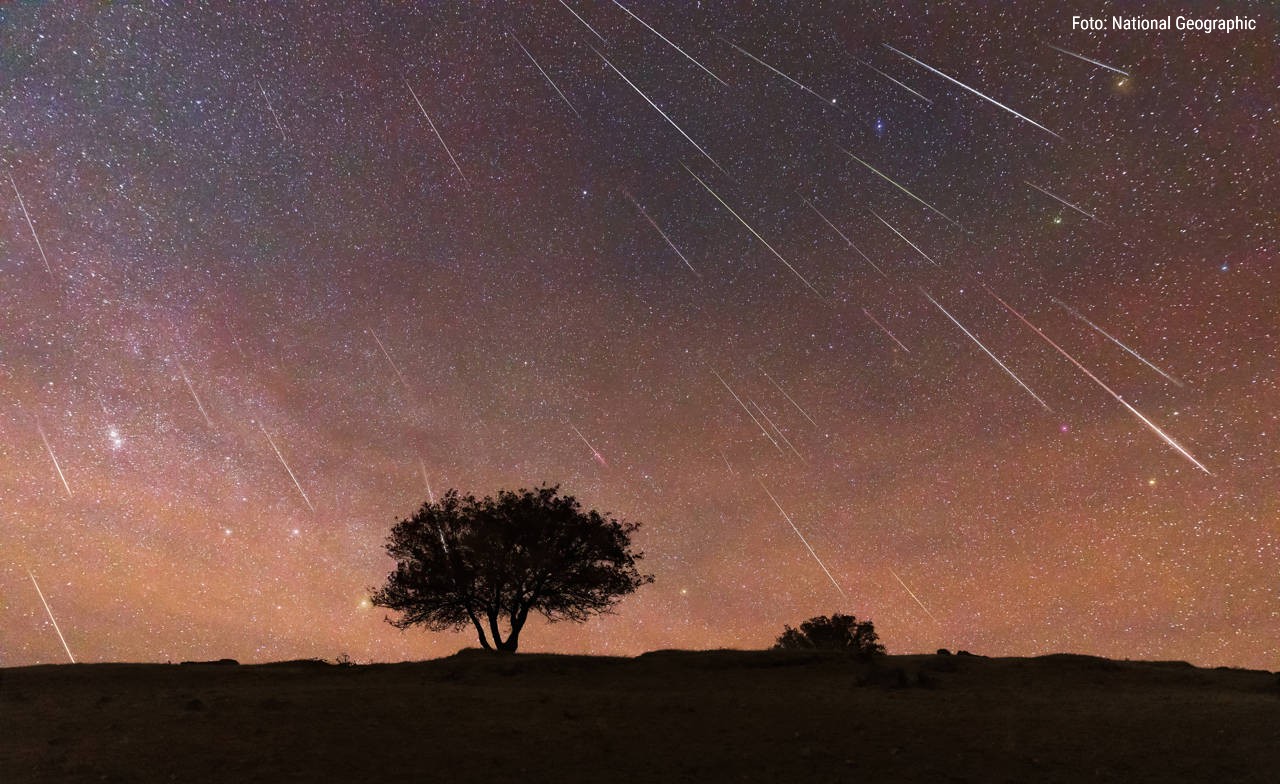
[432, 124]
[996, 359]
[1115, 340]
[31, 225]
[830, 101]
[885, 330]
[272, 109]
[744, 408]
[1087, 59]
[599, 457]
[584, 21]
[895, 81]
[53, 620]
[913, 595]
[1150, 425]
[426, 481]
[785, 440]
[904, 239]
[867, 258]
[187, 380]
[753, 231]
[390, 361]
[544, 73]
[658, 229]
[787, 517]
[1062, 200]
[889, 180]
[788, 397]
[1022, 117]
[665, 116]
[301, 492]
[671, 43]
[53, 457]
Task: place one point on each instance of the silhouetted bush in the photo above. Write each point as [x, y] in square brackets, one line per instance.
[836, 633]
[944, 652]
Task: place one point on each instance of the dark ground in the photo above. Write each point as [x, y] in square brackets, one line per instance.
[661, 717]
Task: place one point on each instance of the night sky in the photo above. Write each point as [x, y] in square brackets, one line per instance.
[275, 304]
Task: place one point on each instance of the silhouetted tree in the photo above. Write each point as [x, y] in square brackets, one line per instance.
[837, 633]
[466, 560]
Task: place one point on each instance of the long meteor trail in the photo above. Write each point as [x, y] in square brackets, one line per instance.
[53, 457]
[426, 480]
[787, 517]
[584, 21]
[904, 239]
[671, 43]
[390, 361]
[599, 457]
[559, 92]
[913, 596]
[1057, 198]
[790, 399]
[994, 358]
[785, 440]
[658, 109]
[432, 124]
[885, 330]
[1098, 63]
[658, 229]
[1022, 117]
[53, 620]
[828, 101]
[825, 220]
[30, 225]
[1152, 426]
[296, 484]
[1116, 340]
[895, 184]
[272, 109]
[802, 278]
[187, 380]
[895, 81]
[725, 384]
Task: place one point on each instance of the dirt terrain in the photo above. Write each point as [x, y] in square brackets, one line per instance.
[667, 716]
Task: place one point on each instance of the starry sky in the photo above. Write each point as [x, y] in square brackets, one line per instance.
[902, 311]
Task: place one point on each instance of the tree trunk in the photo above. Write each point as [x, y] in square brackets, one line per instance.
[513, 639]
[484, 641]
[498, 643]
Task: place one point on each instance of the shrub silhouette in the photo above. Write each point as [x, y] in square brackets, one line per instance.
[837, 633]
[466, 560]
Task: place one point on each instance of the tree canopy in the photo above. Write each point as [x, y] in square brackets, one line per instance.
[463, 559]
[837, 633]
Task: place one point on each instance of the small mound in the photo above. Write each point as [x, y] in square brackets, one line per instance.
[212, 663]
[298, 663]
[729, 658]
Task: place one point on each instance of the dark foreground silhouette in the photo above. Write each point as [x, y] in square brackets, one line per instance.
[667, 716]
